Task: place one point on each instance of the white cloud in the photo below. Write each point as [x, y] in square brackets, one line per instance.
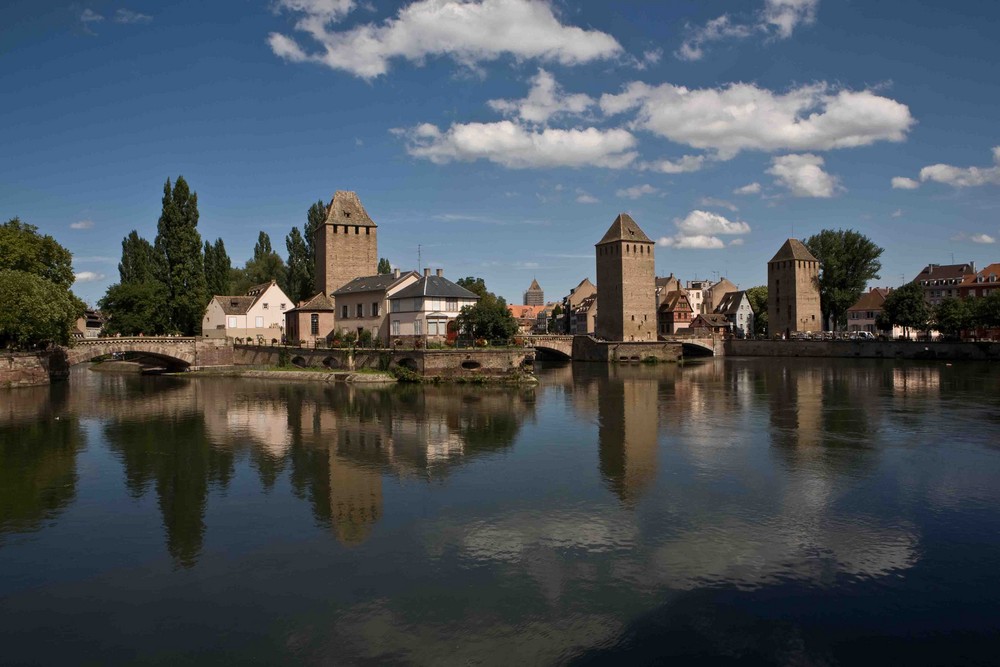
[748, 189]
[904, 183]
[742, 116]
[544, 100]
[686, 164]
[700, 230]
[778, 19]
[82, 224]
[128, 16]
[90, 16]
[803, 175]
[718, 203]
[88, 276]
[469, 31]
[517, 147]
[963, 177]
[736, 242]
[898, 213]
[982, 238]
[585, 198]
[637, 191]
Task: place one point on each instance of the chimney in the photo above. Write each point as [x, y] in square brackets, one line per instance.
[395, 272]
[439, 273]
[427, 273]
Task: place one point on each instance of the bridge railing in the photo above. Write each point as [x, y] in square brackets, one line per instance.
[133, 339]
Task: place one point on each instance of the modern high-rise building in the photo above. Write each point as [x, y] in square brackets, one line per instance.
[626, 283]
[534, 296]
[346, 244]
[793, 290]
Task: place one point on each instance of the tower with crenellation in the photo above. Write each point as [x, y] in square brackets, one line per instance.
[626, 283]
[346, 243]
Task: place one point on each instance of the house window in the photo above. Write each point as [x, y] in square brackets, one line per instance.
[395, 305]
[418, 328]
[314, 324]
[265, 305]
[395, 327]
[232, 323]
[343, 312]
[260, 322]
[375, 312]
[451, 305]
[282, 306]
[418, 304]
[361, 310]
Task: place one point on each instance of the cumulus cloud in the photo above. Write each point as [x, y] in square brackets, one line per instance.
[748, 189]
[982, 238]
[469, 31]
[701, 230]
[517, 147]
[637, 191]
[128, 16]
[88, 276]
[904, 183]
[963, 177]
[803, 175]
[743, 116]
[82, 224]
[778, 19]
[545, 100]
[685, 164]
[584, 198]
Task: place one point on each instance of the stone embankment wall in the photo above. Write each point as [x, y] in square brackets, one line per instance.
[30, 369]
[451, 364]
[586, 348]
[863, 349]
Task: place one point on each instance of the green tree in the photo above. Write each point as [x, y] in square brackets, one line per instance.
[265, 265]
[757, 296]
[140, 260]
[384, 266]
[300, 279]
[22, 248]
[489, 318]
[907, 308]
[178, 237]
[138, 307]
[475, 285]
[952, 316]
[984, 312]
[315, 217]
[35, 311]
[847, 261]
[552, 325]
[218, 268]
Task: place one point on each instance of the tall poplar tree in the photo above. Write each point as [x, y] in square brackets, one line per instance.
[300, 283]
[178, 237]
[315, 217]
[384, 266]
[266, 265]
[140, 261]
[218, 268]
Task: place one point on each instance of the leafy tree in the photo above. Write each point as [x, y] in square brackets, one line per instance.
[34, 310]
[905, 307]
[757, 296]
[475, 285]
[265, 265]
[848, 260]
[984, 312]
[953, 316]
[218, 268]
[140, 261]
[300, 280]
[315, 217]
[22, 248]
[384, 266]
[552, 325]
[177, 235]
[137, 307]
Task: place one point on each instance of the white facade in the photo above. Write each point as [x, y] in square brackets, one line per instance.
[424, 316]
[258, 315]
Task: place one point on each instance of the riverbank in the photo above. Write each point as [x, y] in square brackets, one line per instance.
[295, 375]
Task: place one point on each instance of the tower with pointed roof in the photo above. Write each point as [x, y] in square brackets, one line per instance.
[626, 283]
[346, 243]
[534, 296]
[793, 290]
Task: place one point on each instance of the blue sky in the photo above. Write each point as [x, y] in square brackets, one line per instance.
[504, 136]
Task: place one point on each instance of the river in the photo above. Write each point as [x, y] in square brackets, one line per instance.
[801, 512]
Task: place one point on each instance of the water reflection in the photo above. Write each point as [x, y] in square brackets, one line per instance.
[627, 433]
[39, 442]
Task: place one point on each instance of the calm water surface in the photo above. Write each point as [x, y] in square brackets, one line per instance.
[800, 512]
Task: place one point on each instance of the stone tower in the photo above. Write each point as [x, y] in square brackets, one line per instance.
[626, 283]
[346, 243]
[793, 290]
[534, 296]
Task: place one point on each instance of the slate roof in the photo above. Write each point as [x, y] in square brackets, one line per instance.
[345, 209]
[235, 305]
[624, 228]
[793, 249]
[730, 303]
[320, 303]
[949, 272]
[713, 319]
[437, 286]
[379, 283]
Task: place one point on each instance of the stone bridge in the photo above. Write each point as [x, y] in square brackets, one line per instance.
[562, 346]
[191, 353]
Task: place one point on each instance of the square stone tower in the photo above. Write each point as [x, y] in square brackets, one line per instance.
[793, 290]
[626, 283]
[346, 243]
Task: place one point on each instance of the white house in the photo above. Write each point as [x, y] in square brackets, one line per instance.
[736, 307]
[259, 314]
[424, 308]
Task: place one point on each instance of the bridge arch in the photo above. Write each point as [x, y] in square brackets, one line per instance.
[177, 352]
[697, 349]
